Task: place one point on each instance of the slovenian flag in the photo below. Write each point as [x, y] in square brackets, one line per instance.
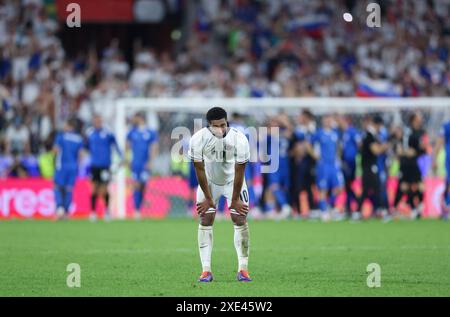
[313, 25]
[377, 88]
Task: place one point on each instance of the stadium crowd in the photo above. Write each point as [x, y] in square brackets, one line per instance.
[235, 48]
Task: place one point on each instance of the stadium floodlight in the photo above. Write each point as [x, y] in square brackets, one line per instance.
[261, 107]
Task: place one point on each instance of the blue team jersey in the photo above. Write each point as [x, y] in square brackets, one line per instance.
[31, 164]
[284, 147]
[100, 144]
[69, 145]
[350, 142]
[240, 127]
[301, 133]
[445, 133]
[328, 145]
[140, 140]
[280, 152]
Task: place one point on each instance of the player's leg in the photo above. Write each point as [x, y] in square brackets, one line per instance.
[446, 207]
[415, 199]
[241, 232]
[322, 185]
[295, 195]
[138, 190]
[402, 190]
[285, 185]
[367, 178]
[268, 198]
[105, 177]
[193, 184]
[102, 191]
[94, 195]
[336, 182]
[384, 203]
[205, 233]
[310, 182]
[349, 177]
[71, 176]
[337, 185]
[59, 192]
[375, 194]
[138, 196]
[279, 192]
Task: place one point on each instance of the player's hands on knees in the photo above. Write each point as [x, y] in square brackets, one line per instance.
[205, 205]
[240, 207]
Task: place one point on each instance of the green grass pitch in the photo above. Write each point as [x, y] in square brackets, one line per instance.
[287, 258]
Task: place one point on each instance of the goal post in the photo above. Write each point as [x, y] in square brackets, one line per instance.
[439, 108]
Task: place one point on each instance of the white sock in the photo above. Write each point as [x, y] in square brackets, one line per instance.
[205, 245]
[241, 243]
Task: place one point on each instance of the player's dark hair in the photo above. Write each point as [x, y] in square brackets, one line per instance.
[73, 123]
[377, 119]
[236, 116]
[216, 113]
[308, 114]
[140, 114]
[413, 117]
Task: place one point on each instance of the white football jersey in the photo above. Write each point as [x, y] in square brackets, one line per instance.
[219, 154]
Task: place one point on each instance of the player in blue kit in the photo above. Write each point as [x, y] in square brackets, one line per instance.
[277, 182]
[444, 140]
[143, 144]
[100, 142]
[383, 137]
[303, 163]
[67, 147]
[328, 172]
[252, 168]
[350, 141]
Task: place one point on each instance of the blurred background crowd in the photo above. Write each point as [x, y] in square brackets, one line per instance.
[218, 48]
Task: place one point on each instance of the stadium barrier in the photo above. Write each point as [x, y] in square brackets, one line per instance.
[164, 197]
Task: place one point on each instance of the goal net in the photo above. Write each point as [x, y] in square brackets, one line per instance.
[168, 192]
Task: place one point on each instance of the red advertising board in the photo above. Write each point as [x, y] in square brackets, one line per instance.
[34, 198]
[98, 10]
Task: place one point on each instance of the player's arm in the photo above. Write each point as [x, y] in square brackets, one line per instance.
[410, 151]
[83, 149]
[57, 144]
[153, 152]
[310, 147]
[196, 155]
[236, 203]
[208, 203]
[379, 148]
[437, 149]
[153, 149]
[242, 157]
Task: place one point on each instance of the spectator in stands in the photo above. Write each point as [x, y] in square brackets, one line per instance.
[17, 137]
[6, 161]
[17, 169]
[46, 161]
